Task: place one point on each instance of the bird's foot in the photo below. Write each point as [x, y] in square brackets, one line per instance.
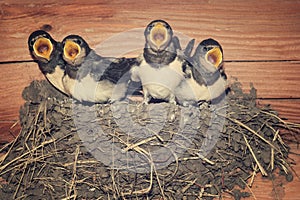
[203, 105]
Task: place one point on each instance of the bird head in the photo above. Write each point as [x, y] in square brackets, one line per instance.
[41, 45]
[158, 35]
[209, 54]
[75, 49]
[213, 52]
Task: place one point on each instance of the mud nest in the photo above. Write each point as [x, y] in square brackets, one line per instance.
[70, 150]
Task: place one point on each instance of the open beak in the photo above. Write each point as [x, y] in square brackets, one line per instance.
[71, 50]
[215, 56]
[159, 35]
[43, 48]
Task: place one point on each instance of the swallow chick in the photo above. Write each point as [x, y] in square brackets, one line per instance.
[48, 54]
[159, 67]
[90, 77]
[205, 78]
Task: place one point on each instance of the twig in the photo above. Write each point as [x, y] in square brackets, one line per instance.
[145, 190]
[263, 172]
[281, 120]
[21, 179]
[74, 175]
[272, 150]
[190, 183]
[157, 178]
[248, 188]
[132, 146]
[2, 159]
[252, 131]
[136, 148]
[30, 160]
[253, 176]
[28, 152]
[81, 162]
[114, 185]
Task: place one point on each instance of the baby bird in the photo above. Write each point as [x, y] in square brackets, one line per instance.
[159, 68]
[48, 54]
[90, 77]
[205, 79]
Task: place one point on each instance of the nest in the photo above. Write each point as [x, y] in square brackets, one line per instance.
[69, 150]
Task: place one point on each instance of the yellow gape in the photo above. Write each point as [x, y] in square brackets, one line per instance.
[158, 34]
[215, 56]
[43, 48]
[71, 50]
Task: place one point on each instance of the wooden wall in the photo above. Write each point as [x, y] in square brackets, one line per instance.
[260, 38]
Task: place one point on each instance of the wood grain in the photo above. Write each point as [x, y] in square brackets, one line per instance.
[259, 30]
[287, 109]
[271, 79]
[9, 130]
[274, 83]
[14, 78]
[256, 30]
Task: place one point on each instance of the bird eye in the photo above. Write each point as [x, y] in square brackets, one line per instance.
[206, 49]
[32, 42]
[150, 27]
[79, 42]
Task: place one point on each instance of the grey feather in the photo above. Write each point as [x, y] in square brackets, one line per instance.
[189, 47]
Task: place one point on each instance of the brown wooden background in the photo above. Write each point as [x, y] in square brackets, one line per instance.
[261, 39]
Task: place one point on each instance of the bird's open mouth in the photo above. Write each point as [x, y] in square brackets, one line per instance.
[215, 56]
[159, 35]
[71, 50]
[43, 48]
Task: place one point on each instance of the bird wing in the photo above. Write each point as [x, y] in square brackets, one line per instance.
[93, 65]
[105, 68]
[189, 47]
[118, 69]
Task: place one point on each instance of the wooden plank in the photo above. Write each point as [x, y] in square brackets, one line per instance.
[9, 130]
[287, 109]
[256, 30]
[271, 79]
[14, 78]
